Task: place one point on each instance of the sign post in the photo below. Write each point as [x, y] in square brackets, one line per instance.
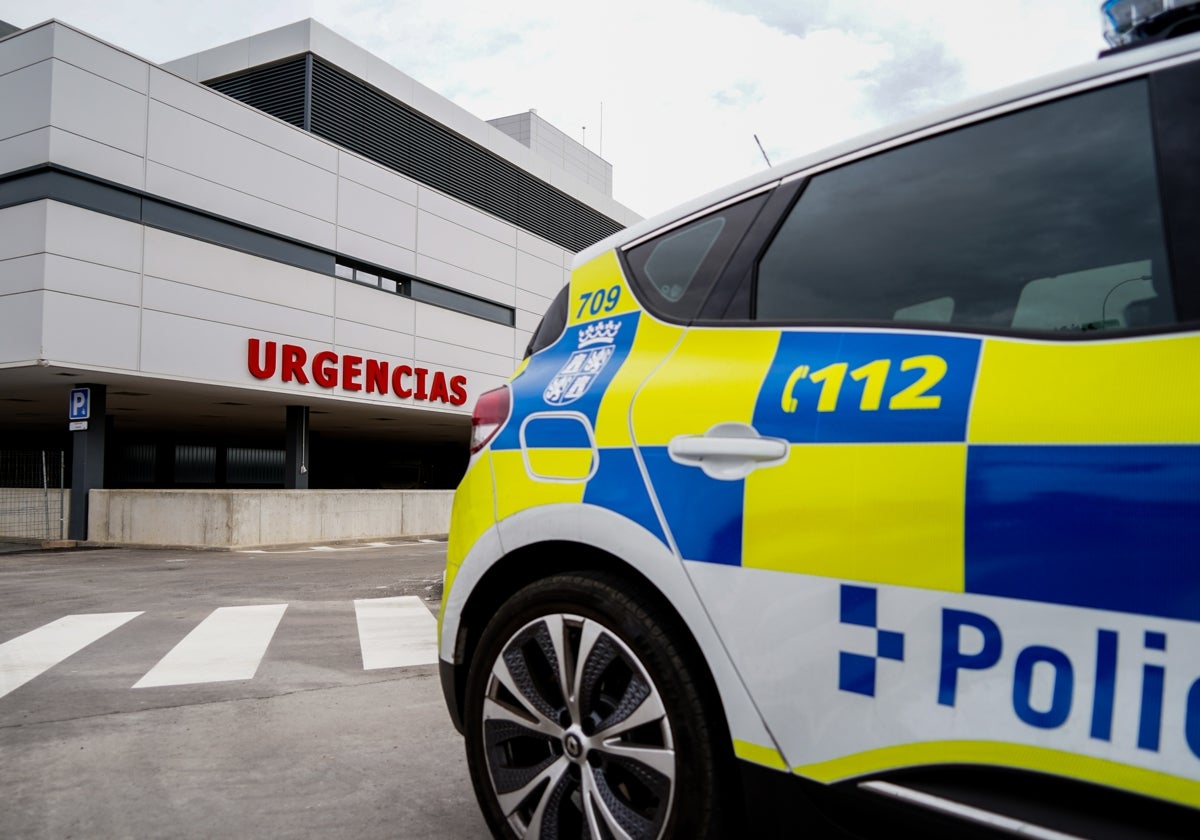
[87, 456]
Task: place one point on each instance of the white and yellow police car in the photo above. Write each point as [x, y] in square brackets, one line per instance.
[862, 493]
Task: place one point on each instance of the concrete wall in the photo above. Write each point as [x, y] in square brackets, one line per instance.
[253, 518]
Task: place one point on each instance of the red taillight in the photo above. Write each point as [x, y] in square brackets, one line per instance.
[490, 413]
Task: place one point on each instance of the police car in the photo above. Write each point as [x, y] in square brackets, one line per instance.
[864, 493]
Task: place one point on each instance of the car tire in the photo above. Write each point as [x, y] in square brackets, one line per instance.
[624, 750]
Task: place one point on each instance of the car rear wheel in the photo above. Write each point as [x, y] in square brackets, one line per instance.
[584, 721]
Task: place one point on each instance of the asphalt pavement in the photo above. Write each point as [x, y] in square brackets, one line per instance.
[182, 694]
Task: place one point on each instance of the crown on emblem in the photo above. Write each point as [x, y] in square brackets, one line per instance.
[602, 332]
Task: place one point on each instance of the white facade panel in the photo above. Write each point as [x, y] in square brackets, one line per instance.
[240, 118]
[85, 331]
[98, 109]
[454, 244]
[223, 60]
[456, 328]
[190, 144]
[90, 279]
[188, 67]
[26, 97]
[25, 150]
[374, 307]
[23, 230]
[374, 340]
[387, 77]
[185, 260]
[22, 274]
[93, 237]
[333, 47]
[530, 309]
[368, 211]
[464, 215]
[379, 178]
[99, 58]
[376, 251]
[454, 277]
[532, 302]
[526, 320]
[86, 155]
[21, 327]
[538, 276]
[182, 299]
[292, 39]
[541, 248]
[442, 354]
[240, 206]
[198, 350]
[25, 48]
[520, 342]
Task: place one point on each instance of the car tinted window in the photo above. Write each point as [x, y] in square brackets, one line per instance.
[674, 272]
[1045, 220]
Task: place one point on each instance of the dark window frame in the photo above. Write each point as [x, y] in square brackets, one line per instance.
[742, 214]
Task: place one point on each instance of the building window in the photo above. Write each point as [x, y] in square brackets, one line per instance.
[424, 291]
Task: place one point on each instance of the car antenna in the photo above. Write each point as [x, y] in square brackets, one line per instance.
[764, 151]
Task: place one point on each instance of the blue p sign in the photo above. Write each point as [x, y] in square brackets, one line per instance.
[80, 408]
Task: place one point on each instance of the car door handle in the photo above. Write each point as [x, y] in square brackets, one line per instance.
[728, 451]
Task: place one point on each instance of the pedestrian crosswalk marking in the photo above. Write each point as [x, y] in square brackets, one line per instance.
[228, 645]
[395, 632]
[35, 652]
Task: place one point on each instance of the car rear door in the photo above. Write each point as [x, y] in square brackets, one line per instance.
[935, 469]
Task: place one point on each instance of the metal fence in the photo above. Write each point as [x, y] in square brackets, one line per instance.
[33, 500]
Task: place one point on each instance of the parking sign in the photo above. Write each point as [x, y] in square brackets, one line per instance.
[81, 404]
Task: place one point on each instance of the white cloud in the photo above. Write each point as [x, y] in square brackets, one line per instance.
[685, 84]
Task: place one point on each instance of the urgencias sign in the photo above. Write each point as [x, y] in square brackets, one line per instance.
[327, 369]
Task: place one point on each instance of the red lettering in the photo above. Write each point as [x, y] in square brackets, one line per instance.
[293, 364]
[377, 377]
[267, 369]
[458, 390]
[351, 369]
[324, 369]
[422, 394]
[438, 390]
[398, 375]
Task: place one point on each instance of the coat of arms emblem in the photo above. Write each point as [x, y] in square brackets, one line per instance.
[584, 365]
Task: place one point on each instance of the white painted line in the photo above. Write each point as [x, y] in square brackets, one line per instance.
[228, 645]
[34, 653]
[395, 632]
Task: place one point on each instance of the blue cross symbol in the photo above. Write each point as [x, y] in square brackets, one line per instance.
[856, 671]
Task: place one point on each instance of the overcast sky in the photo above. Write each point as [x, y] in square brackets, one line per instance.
[685, 84]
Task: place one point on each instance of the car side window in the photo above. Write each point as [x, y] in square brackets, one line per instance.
[1046, 220]
[674, 272]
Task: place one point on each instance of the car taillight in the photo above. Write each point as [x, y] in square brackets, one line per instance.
[491, 411]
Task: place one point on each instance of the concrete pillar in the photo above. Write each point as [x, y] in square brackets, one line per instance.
[295, 470]
[87, 460]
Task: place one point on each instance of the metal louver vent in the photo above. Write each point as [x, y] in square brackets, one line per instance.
[277, 89]
[365, 120]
